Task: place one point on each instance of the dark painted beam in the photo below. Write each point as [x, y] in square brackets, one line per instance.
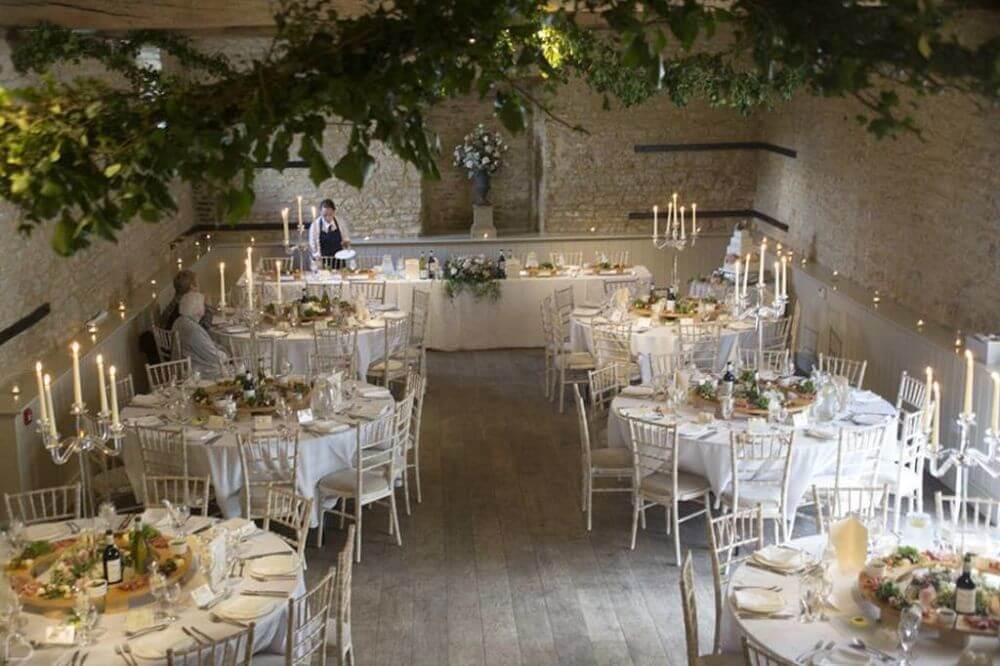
[718, 145]
[290, 164]
[24, 323]
[718, 214]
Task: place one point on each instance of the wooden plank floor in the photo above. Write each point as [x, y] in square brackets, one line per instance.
[496, 565]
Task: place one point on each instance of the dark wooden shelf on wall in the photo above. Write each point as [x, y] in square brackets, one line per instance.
[720, 214]
[711, 146]
[24, 323]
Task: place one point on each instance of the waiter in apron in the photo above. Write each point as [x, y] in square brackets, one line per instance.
[328, 234]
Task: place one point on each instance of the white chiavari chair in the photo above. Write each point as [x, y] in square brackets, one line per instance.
[374, 290]
[546, 308]
[163, 453]
[367, 261]
[394, 362]
[125, 388]
[793, 341]
[702, 341]
[976, 513]
[267, 461]
[859, 457]
[564, 303]
[167, 373]
[402, 427]
[613, 464]
[241, 355]
[330, 263]
[611, 286]
[569, 367]
[287, 509]
[732, 538]
[665, 365]
[774, 361]
[612, 343]
[912, 393]
[905, 473]
[372, 480]
[44, 505]
[852, 371]
[868, 503]
[761, 464]
[308, 629]
[776, 333]
[270, 264]
[190, 490]
[416, 383]
[336, 349]
[332, 290]
[234, 649]
[166, 342]
[757, 655]
[657, 481]
[419, 313]
[606, 383]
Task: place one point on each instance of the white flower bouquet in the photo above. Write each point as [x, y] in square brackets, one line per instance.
[477, 274]
[481, 150]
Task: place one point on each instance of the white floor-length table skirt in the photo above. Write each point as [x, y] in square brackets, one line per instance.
[269, 630]
[709, 454]
[790, 638]
[650, 340]
[465, 323]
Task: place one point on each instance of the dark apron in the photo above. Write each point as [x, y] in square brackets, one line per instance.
[330, 243]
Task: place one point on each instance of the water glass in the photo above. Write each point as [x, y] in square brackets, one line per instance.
[157, 587]
[179, 516]
[15, 533]
[171, 595]
[809, 587]
[726, 406]
[909, 631]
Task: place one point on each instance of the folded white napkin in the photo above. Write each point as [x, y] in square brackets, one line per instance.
[324, 427]
[637, 391]
[779, 557]
[369, 410]
[822, 433]
[148, 421]
[841, 656]
[585, 311]
[154, 646]
[692, 430]
[147, 400]
[865, 396]
[758, 601]
[375, 392]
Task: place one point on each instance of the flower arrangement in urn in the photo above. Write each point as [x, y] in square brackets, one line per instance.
[477, 274]
[481, 154]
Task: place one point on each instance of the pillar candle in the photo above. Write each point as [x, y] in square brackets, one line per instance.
[763, 252]
[77, 390]
[928, 389]
[784, 277]
[746, 274]
[656, 223]
[112, 377]
[222, 284]
[995, 412]
[673, 201]
[249, 285]
[936, 434]
[101, 388]
[44, 407]
[52, 409]
[312, 209]
[969, 372]
[777, 278]
[694, 219]
[737, 279]
[299, 199]
[277, 274]
[284, 223]
[683, 233]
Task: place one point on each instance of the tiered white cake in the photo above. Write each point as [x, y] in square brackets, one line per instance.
[740, 245]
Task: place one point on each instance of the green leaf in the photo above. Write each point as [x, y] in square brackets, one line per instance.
[112, 170]
[20, 181]
[238, 203]
[924, 46]
[63, 240]
[510, 111]
[354, 168]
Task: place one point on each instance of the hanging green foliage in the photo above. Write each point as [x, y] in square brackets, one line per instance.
[91, 155]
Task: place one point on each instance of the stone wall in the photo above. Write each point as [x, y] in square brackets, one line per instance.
[32, 274]
[917, 220]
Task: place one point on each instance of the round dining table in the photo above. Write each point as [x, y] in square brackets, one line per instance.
[269, 627]
[704, 448]
[649, 340]
[322, 450]
[847, 619]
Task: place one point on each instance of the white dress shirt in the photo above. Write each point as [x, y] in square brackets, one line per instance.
[314, 230]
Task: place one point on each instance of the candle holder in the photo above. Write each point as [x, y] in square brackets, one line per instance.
[97, 434]
[299, 250]
[251, 318]
[760, 312]
[965, 459]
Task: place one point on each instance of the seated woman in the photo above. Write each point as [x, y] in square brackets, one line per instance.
[196, 344]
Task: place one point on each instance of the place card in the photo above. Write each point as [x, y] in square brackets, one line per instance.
[800, 420]
[62, 634]
[304, 416]
[202, 596]
[139, 619]
[216, 422]
[264, 422]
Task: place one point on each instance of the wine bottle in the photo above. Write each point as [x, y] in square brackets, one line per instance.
[112, 558]
[671, 299]
[965, 589]
[502, 266]
[249, 390]
[423, 266]
[728, 380]
[432, 266]
[140, 549]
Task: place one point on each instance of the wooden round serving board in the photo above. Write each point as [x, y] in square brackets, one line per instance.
[216, 389]
[794, 406]
[117, 600]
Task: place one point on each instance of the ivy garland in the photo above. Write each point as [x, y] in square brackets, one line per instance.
[92, 155]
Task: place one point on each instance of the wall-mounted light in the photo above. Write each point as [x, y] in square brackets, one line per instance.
[15, 390]
[920, 324]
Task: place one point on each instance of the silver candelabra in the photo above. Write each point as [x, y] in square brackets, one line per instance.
[90, 434]
[760, 312]
[300, 249]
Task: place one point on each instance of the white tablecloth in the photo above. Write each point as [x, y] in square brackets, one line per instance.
[269, 630]
[319, 455]
[298, 344]
[790, 638]
[710, 457]
[467, 323]
[648, 340]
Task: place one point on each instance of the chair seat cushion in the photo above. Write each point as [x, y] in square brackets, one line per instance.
[611, 458]
[706, 660]
[688, 485]
[576, 361]
[395, 365]
[345, 484]
[767, 496]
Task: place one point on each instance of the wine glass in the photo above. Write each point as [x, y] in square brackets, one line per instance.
[15, 533]
[179, 517]
[809, 588]
[171, 595]
[726, 406]
[909, 631]
[157, 587]
[108, 515]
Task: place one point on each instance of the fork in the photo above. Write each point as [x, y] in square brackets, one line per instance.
[193, 636]
[126, 657]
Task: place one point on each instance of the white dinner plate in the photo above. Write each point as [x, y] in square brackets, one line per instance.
[46, 532]
[637, 391]
[154, 646]
[345, 254]
[867, 419]
[820, 433]
[378, 322]
[779, 557]
[276, 565]
[245, 608]
[321, 427]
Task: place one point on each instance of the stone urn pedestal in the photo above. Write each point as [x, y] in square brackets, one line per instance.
[482, 222]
